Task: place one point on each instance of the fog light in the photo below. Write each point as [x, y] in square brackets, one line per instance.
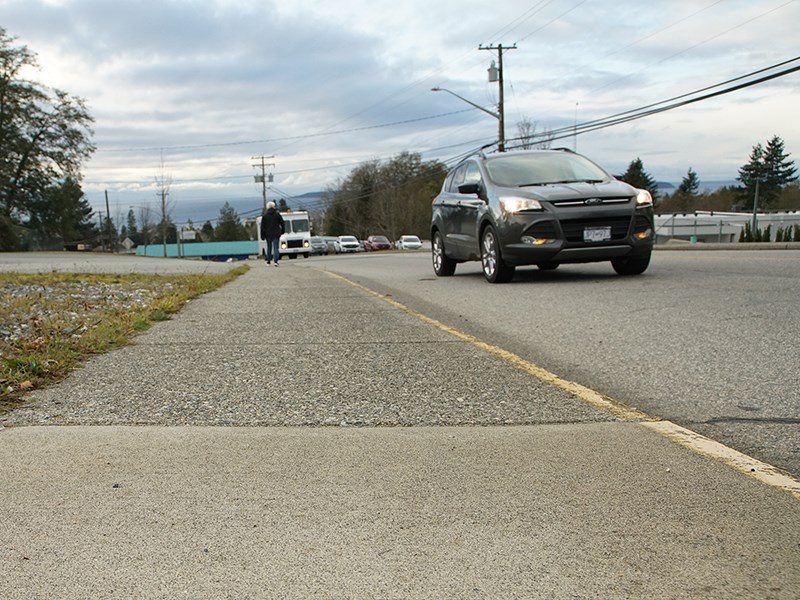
[644, 235]
[527, 239]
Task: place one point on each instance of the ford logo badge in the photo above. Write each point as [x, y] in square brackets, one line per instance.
[593, 201]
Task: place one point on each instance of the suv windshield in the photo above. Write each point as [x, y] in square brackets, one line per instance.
[510, 170]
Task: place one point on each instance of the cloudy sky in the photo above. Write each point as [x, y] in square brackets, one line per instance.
[194, 89]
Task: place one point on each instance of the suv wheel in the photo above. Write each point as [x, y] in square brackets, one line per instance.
[631, 266]
[494, 267]
[443, 266]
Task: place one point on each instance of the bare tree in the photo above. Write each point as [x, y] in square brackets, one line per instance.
[163, 182]
[146, 224]
[528, 139]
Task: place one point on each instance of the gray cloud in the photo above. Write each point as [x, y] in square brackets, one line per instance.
[200, 83]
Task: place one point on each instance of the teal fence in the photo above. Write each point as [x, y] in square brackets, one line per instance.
[220, 251]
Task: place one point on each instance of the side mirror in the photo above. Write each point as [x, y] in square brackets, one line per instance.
[470, 188]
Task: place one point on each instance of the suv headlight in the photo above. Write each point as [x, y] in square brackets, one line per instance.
[643, 198]
[512, 204]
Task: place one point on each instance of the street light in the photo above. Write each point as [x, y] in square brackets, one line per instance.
[496, 115]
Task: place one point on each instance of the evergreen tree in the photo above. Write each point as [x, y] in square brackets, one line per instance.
[132, 228]
[639, 178]
[687, 191]
[229, 228]
[207, 232]
[690, 184]
[44, 137]
[770, 170]
[780, 169]
[62, 215]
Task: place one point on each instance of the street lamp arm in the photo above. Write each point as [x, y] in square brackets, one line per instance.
[478, 106]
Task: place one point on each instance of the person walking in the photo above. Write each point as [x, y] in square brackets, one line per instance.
[271, 230]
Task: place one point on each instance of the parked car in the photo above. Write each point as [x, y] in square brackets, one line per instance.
[318, 245]
[538, 207]
[408, 242]
[347, 243]
[331, 240]
[377, 242]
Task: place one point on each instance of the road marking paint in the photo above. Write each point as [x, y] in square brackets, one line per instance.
[604, 403]
[700, 444]
[687, 438]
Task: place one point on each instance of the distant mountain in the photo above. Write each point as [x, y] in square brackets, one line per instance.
[710, 186]
[666, 188]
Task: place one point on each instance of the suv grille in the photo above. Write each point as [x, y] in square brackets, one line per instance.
[573, 228]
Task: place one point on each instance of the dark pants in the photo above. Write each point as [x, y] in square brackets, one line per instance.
[273, 249]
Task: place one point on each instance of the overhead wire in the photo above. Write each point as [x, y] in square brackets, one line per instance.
[674, 102]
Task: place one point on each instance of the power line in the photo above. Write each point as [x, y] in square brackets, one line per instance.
[662, 106]
[288, 138]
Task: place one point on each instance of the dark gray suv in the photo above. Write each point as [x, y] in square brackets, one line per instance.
[538, 207]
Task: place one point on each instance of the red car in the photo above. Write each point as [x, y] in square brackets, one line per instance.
[377, 242]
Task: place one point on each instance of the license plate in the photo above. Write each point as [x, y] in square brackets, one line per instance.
[597, 234]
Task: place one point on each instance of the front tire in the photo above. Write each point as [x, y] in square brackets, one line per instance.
[635, 265]
[443, 266]
[495, 268]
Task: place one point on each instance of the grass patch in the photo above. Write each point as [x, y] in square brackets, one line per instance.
[50, 323]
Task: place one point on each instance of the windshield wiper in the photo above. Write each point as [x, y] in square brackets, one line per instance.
[580, 181]
[563, 181]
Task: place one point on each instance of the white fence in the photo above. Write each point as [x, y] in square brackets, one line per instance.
[718, 227]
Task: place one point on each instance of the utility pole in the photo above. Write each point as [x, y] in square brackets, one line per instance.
[164, 193]
[108, 225]
[755, 208]
[496, 74]
[263, 177]
[100, 229]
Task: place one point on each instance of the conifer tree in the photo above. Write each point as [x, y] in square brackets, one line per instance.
[639, 178]
[687, 190]
[768, 169]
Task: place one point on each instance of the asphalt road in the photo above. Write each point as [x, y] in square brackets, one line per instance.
[707, 339]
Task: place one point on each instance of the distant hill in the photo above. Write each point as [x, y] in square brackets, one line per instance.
[665, 187]
[309, 201]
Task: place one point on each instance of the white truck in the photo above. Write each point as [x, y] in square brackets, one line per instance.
[296, 238]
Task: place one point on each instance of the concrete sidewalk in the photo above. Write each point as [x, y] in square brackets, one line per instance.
[291, 436]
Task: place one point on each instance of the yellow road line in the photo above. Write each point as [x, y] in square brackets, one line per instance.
[697, 443]
[618, 409]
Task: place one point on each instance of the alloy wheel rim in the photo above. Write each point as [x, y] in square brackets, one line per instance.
[437, 252]
[488, 255]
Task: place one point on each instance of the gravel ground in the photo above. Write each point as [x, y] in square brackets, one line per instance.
[72, 305]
